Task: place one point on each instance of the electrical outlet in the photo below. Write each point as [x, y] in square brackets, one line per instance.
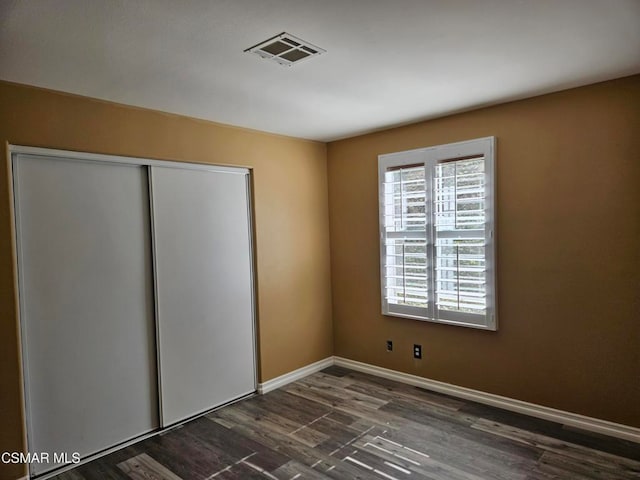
[389, 345]
[417, 351]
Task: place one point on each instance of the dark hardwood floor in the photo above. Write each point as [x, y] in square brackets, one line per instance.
[340, 424]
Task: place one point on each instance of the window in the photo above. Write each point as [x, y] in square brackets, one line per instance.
[437, 248]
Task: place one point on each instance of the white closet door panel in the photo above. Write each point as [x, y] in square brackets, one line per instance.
[204, 289]
[86, 289]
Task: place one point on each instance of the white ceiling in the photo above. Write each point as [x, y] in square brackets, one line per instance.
[387, 63]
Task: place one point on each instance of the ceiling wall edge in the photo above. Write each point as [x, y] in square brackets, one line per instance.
[481, 106]
[162, 112]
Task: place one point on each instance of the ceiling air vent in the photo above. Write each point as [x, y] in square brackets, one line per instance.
[285, 49]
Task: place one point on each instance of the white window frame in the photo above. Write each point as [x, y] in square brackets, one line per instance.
[430, 157]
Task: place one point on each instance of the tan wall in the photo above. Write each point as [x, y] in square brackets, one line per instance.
[568, 242]
[291, 219]
[568, 208]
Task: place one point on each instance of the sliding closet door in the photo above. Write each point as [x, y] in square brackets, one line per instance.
[204, 289]
[86, 296]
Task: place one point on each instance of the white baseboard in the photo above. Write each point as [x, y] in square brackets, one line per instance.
[583, 422]
[282, 380]
[566, 418]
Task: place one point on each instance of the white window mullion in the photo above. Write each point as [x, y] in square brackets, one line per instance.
[430, 231]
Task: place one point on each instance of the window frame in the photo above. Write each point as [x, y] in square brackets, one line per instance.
[430, 157]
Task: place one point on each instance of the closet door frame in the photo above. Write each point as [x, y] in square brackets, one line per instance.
[14, 151]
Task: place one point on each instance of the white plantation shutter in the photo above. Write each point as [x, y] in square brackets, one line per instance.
[436, 233]
[459, 236]
[405, 239]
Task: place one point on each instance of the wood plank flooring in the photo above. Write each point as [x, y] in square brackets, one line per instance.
[340, 424]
